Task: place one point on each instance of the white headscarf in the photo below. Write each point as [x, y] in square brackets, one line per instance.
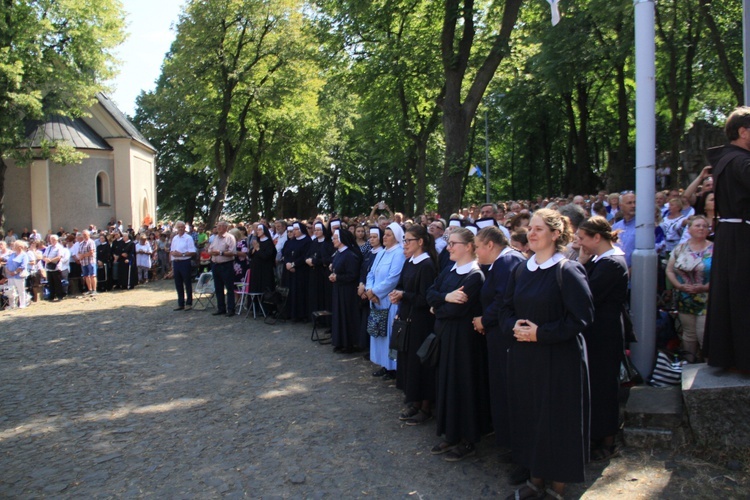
[397, 232]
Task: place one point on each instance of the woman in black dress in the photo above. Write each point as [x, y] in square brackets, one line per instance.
[494, 252]
[461, 393]
[104, 264]
[262, 260]
[344, 278]
[608, 279]
[417, 380]
[319, 258]
[546, 308]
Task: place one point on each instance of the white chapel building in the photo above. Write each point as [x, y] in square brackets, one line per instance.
[117, 180]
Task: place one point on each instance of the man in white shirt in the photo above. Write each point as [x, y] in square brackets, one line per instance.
[181, 253]
[52, 256]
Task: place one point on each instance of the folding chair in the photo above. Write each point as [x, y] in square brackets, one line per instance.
[204, 292]
[315, 335]
[242, 288]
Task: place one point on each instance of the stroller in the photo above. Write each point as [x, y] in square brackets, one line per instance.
[275, 304]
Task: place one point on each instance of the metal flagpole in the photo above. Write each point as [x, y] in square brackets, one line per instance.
[644, 259]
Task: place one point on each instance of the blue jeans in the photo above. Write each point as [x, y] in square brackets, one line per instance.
[182, 281]
[224, 279]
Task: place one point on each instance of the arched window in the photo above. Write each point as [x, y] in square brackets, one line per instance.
[102, 189]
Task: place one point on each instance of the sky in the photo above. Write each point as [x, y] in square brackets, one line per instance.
[149, 31]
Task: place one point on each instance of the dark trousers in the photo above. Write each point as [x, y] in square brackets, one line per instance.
[182, 281]
[55, 283]
[224, 278]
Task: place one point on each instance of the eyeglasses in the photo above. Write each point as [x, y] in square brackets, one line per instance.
[409, 240]
[451, 244]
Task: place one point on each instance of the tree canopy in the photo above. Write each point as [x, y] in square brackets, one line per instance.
[290, 108]
[54, 57]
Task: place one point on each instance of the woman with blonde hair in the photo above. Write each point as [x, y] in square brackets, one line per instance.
[546, 309]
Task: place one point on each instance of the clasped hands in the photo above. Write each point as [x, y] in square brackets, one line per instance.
[525, 331]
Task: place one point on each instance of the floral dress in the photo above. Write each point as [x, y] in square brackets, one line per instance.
[692, 268]
[241, 263]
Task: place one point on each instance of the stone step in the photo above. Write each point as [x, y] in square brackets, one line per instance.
[654, 417]
[717, 405]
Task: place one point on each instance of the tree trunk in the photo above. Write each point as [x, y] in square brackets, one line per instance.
[717, 41]
[457, 128]
[421, 177]
[458, 115]
[619, 173]
[217, 204]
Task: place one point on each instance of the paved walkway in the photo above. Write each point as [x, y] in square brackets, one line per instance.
[119, 396]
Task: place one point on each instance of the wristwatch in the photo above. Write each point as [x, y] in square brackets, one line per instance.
[221, 252]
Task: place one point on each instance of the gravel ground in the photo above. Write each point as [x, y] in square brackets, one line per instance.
[119, 396]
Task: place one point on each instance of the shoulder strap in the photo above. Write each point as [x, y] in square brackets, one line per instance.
[560, 266]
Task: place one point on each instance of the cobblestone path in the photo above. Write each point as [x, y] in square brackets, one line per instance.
[120, 397]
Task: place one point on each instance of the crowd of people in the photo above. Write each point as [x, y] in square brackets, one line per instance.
[508, 317]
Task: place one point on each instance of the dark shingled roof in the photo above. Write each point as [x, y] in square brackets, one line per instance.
[72, 131]
[123, 121]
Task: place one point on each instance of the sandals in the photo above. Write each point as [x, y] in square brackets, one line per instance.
[527, 491]
[604, 453]
[552, 495]
[420, 418]
[461, 451]
[409, 412]
[442, 447]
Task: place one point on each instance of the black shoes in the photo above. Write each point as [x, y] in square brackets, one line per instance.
[218, 313]
[379, 373]
[178, 309]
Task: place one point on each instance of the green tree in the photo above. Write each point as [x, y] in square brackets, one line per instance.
[54, 57]
[227, 64]
[469, 61]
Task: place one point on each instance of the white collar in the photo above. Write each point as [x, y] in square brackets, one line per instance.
[532, 264]
[419, 258]
[465, 268]
[376, 250]
[342, 249]
[321, 239]
[301, 236]
[612, 251]
[264, 238]
[504, 251]
[394, 247]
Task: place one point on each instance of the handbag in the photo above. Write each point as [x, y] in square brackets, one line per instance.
[400, 334]
[429, 351]
[377, 323]
[627, 323]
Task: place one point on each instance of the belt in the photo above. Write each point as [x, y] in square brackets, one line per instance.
[735, 221]
[225, 262]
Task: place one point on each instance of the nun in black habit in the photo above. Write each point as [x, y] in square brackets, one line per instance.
[262, 255]
[295, 253]
[499, 260]
[375, 238]
[319, 258]
[344, 278]
[128, 275]
[461, 394]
